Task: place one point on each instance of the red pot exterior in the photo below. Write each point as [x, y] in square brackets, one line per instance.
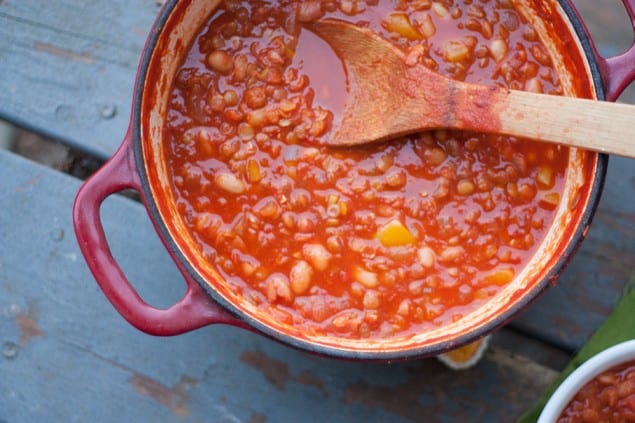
[202, 303]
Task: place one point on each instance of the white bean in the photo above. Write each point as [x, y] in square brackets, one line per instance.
[426, 256]
[300, 277]
[367, 278]
[230, 183]
[318, 255]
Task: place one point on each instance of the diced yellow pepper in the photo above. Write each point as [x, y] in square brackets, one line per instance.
[545, 178]
[253, 171]
[394, 234]
[550, 201]
[343, 208]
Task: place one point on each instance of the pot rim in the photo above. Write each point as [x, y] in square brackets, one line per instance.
[599, 173]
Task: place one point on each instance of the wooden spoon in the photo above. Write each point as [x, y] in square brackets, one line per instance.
[389, 97]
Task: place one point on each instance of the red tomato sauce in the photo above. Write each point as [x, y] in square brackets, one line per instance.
[610, 397]
[376, 241]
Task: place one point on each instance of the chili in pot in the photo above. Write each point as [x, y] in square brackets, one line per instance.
[362, 242]
[398, 250]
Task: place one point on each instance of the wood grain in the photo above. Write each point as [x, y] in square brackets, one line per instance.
[68, 68]
[592, 125]
[66, 355]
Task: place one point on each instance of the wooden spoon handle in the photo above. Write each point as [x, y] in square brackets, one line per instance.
[589, 124]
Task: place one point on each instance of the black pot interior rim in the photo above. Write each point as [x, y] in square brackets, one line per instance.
[366, 355]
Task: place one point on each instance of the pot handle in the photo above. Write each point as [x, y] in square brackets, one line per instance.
[194, 310]
[618, 71]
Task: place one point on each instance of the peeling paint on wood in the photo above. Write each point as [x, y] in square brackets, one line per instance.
[278, 374]
[258, 418]
[402, 400]
[174, 398]
[27, 322]
[309, 379]
[66, 54]
[275, 371]
[28, 184]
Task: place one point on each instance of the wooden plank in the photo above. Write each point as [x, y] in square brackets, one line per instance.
[68, 67]
[530, 347]
[608, 25]
[68, 356]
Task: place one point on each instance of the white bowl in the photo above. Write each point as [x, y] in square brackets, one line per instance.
[605, 360]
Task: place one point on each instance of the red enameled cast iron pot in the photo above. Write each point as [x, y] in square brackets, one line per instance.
[138, 164]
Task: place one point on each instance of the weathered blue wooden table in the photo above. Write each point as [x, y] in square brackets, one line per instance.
[66, 71]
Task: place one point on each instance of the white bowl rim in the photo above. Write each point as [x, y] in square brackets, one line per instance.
[604, 360]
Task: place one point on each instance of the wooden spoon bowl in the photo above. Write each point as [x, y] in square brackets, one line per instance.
[391, 94]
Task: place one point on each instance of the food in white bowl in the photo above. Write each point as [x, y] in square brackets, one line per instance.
[601, 389]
